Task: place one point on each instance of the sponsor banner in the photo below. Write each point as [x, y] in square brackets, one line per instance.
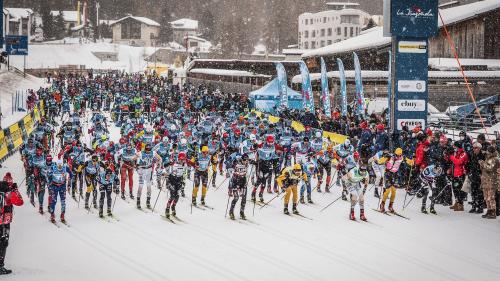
[411, 105]
[343, 87]
[282, 85]
[412, 47]
[29, 126]
[4, 149]
[16, 135]
[411, 123]
[414, 18]
[307, 93]
[335, 138]
[360, 97]
[412, 86]
[325, 91]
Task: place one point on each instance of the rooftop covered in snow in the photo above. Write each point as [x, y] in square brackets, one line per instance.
[185, 24]
[144, 20]
[69, 16]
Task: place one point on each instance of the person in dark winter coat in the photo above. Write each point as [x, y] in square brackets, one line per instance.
[489, 181]
[474, 174]
[381, 139]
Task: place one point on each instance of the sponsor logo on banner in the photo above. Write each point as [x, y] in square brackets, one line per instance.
[411, 123]
[415, 12]
[411, 105]
[415, 47]
[413, 86]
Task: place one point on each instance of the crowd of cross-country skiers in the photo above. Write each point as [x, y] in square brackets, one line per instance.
[171, 135]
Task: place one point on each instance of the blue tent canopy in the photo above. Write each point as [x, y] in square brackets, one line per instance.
[465, 110]
[266, 99]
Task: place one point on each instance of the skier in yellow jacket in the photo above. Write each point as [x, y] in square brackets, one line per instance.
[288, 180]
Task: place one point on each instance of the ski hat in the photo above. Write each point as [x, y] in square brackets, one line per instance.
[8, 178]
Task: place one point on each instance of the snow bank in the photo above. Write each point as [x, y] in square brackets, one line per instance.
[10, 82]
[131, 59]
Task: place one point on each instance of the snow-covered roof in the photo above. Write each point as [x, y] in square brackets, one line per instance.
[375, 37]
[226, 72]
[108, 22]
[195, 38]
[78, 27]
[185, 24]
[17, 13]
[144, 20]
[380, 74]
[451, 63]
[293, 51]
[69, 16]
[464, 12]
[368, 40]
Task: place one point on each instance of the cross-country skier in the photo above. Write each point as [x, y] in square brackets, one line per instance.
[288, 181]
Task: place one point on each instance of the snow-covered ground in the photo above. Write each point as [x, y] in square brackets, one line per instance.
[207, 246]
[131, 59]
[10, 82]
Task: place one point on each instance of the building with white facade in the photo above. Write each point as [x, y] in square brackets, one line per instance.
[324, 28]
[182, 28]
[17, 21]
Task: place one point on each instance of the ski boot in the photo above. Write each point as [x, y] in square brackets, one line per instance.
[302, 199]
[167, 213]
[242, 216]
[294, 209]
[261, 198]
[5, 271]
[193, 201]
[148, 202]
[276, 190]
[432, 211]
[109, 213]
[319, 188]
[351, 216]
[362, 215]
[327, 190]
[423, 210]
[95, 204]
[63, 220]
[375, 193]
[40, 210]
[139, 203]
[101, 214]
[391, 209]
[309, 200]
[344, 195]
[123, 196]
[231, 215]
[269, 190]
[173, 211]
[285, 210]
[382, 207]
[203, 201]
[52, 218]
[473, 210]
[131, 196]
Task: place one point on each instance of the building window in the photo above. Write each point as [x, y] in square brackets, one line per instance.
[324, 20]
[306, 45]
[352, 31]
[329, 32]
[313, 34]
[329, 42]
[339, 31]
[306, 34]
[307, 21]
[345, 31]
[353, 19]
[322, 43]
[313, 45]
[323, 32]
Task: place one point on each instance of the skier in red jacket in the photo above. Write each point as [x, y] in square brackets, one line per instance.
[9, 196]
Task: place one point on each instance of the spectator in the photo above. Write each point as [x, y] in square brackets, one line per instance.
[459, 159]
[489, 181]
[474, 175]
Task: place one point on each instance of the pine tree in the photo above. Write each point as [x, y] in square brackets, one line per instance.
[371, 23]
[47, 19]
[166, 32]
[59, 26]
[207, 23]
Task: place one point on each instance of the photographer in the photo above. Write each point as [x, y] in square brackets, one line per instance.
[9, 196]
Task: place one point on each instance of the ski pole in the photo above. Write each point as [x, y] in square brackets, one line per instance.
[156, 201]
[220, 184]
[331, 203]
[114, 201]
[267, 203]
[227, 205]
[412, 198]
